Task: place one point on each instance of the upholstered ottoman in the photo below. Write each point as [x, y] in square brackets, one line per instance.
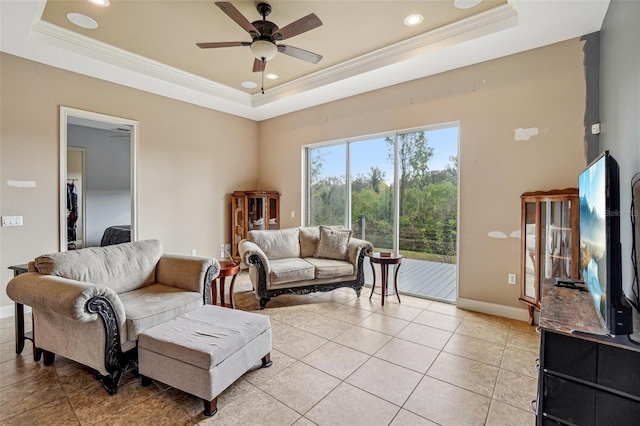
[204, 351]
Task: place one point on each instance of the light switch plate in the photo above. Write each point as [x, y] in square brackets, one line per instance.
[11, 220]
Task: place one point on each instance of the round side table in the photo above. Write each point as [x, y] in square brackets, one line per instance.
[384, 261]
[227, 269]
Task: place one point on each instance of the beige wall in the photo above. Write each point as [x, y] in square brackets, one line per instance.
[190, 158]
[543, 88]
[184, 178]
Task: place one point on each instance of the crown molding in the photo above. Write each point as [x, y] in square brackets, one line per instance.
[516, 27]
[61, 37]
[488, 22]
[484, 23]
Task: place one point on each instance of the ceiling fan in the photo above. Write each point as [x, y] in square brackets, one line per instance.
[264, 35]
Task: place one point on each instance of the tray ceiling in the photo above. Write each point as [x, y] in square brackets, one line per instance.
[365, 45]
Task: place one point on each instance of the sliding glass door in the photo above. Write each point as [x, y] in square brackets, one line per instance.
[398, 191]
[327, 177]
[372, 191]
[428, 194]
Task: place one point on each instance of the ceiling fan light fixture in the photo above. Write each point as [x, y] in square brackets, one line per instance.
[101, 3]
[264, 50]
[413, 20]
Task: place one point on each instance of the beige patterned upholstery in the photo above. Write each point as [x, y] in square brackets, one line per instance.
[333, 244]
[302, 260]
[139, 285]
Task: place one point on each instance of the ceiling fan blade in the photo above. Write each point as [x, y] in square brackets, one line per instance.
[298, 53]
[223, 44]
[258, 65]
[300, 26]
[239, 19]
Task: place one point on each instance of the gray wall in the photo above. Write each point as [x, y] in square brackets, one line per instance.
[620, 108]
[108, 193]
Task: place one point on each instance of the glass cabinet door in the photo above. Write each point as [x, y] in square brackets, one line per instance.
[256, 213]
[238, 223]
[530, 251]
[555, 247]
[273, 212]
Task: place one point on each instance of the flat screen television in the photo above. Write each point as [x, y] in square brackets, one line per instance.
[600, 252]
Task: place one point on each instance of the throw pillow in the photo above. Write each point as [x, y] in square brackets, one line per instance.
[309, 236]
[333, 244]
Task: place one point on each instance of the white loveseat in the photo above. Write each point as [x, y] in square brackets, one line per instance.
[303, 260]
[90, 305]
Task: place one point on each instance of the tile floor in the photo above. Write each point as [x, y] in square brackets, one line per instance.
[338, 360]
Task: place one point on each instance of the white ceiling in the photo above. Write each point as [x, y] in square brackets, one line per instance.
[503, 30]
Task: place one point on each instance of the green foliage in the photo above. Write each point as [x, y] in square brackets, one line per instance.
[328, 201]
[428, 202]
[318, 157]
[414, 153]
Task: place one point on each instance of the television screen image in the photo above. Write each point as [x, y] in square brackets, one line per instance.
[593, 233]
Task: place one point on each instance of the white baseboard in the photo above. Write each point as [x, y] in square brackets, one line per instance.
[10, 311]
[520, 314]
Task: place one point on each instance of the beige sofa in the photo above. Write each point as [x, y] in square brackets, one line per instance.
[90, 305]
[303, 260]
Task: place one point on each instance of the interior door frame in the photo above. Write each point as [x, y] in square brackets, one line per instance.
[65, 113]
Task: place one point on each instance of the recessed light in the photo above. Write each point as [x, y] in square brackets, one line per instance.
[413, 20]
[466, 4]
[249, 84]
[101, 3]
[272, 76]
[82, 21]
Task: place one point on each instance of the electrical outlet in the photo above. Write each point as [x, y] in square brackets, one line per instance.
[193, 252]
[512, 279]
[11, 220]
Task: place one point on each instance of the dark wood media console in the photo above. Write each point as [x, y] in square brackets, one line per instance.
[586, 377]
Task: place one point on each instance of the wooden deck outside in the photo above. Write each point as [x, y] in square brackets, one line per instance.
[433, 280]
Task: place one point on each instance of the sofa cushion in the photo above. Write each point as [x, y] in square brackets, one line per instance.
[309, 236]
[155, 304]
[289, 270]
[333, 243]
[280, 244]
[122, 267]
[330, 268]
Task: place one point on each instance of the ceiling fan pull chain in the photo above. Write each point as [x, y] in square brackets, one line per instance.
[262, 88]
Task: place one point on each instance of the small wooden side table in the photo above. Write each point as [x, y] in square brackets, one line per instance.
[227, 269]
[384, 262]
[21, 336]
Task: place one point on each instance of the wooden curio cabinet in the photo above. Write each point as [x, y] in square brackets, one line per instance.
[252, 210]
[550, 241]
